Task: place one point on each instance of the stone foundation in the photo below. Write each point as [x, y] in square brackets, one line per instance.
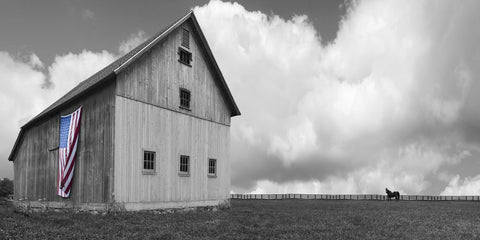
[160, 207]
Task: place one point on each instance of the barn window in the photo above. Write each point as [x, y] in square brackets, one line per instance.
[185, 56]
[212, 167]
[185, 38]
[184, 165]
[148, 161]
[184, 98]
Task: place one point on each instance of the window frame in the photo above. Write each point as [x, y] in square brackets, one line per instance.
[187, 53]
[215, 167]
[147, 171]
[189, 98]
[188, 164]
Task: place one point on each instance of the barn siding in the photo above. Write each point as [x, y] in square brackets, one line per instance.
[141, 126]
[35, 167]
[148, 117]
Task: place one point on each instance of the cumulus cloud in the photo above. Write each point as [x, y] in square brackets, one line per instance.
[35, 62]
[133, 41]
[21, 95]
[469, 186]
[388, 103]
[70, 69]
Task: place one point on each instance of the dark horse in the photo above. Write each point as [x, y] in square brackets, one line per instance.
[391, 194]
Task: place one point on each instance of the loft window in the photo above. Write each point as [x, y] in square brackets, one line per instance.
[148, 161]
[185, 38]
[184, 165]
[184, 98]
[212, 167]
[185, 56]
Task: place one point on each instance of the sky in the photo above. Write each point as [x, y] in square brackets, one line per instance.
[355, 96]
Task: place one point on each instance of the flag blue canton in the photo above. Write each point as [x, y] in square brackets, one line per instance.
[64, 128]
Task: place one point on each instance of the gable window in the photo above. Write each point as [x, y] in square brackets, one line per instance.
[212, 167]
[184, 98]
[184, 165]
[148, 161]
[185, 56]
[185, 38]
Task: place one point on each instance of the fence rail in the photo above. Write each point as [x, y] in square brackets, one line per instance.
[377, 197]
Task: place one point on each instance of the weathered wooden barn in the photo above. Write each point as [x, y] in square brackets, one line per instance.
[154, 131]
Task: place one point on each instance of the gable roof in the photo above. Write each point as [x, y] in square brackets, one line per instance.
[109, 72]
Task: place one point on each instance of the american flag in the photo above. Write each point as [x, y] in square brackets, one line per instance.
[69, 129]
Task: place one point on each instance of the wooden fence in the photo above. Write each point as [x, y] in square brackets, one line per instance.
[377, 197]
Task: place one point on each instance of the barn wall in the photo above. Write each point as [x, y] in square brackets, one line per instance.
[36, 162]
[141, 126]
[148, 117]
[156, 77]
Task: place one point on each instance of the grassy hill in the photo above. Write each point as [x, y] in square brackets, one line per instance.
[261, 219]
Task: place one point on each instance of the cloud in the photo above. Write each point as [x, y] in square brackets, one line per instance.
[21, 95]
[35, 61]
[469, 186]
[391, 101]
[70, 69]
[133, 41]
[87, 14]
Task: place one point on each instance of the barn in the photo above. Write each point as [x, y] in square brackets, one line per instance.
[154, 132]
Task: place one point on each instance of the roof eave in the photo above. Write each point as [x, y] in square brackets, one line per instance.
[11, 157]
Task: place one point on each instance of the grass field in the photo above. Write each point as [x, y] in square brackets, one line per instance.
[261, 219]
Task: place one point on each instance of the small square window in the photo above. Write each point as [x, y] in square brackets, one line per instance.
[184, 165]
[184, 98]
[148, 161]
[212, 167]
[185, 56]
[185, 38]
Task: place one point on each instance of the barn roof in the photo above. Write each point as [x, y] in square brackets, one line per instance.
[109, 72]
